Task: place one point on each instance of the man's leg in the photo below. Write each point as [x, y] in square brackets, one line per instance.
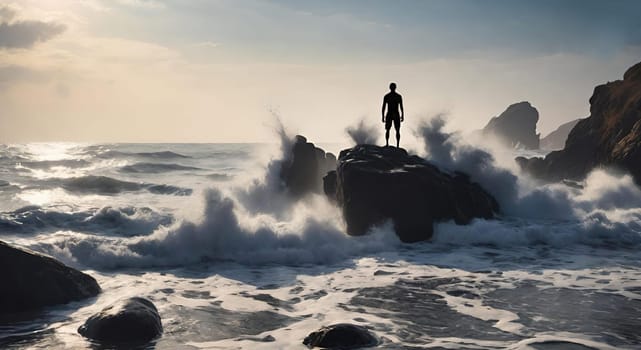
[388, 125]
[397, 126]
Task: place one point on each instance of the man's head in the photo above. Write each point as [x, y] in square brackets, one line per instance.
[392, 86]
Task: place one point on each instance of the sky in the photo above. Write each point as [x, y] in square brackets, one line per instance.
[223, 70]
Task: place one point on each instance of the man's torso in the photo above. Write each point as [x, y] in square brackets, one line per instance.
[393, 101]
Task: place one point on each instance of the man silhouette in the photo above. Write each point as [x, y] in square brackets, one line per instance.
[393, 102]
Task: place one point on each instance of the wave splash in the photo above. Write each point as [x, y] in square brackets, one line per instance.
[605, 211]
[257, 223]
[250, 223]
[226, 232]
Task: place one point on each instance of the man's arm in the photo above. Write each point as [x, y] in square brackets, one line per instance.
[402, 112]
[383, 111]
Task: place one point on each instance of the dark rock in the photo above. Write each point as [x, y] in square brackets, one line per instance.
[31, 280]
[303, 172]
[373, 184]
[610, 136]
[341, 336]
[130, 321]
[556, 139]
[516, 126]
[329, 185]
[268, 339]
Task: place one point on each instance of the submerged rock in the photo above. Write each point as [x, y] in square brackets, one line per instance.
[130, 321]
[516, 126]
[610, 136]
[30, 281]
[373, 184]
[303, 172]
[341, 336]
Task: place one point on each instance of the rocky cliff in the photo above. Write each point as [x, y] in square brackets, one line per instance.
[515, 127]
[610, 136]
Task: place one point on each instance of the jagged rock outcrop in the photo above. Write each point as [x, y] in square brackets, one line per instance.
[556, 139]
[609, 137]
[30, 281]
[515, 127]
[341, 336]
[373, 184]
[127, 322]
[303, 171]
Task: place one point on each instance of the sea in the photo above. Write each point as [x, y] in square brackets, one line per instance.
[206, 232]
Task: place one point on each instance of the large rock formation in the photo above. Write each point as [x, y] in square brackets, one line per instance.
[556, 139]
[30, 281]
[373, 184]
[516, 127]
[303, 171]
[341, 336]
[610, 136]
[127, 322]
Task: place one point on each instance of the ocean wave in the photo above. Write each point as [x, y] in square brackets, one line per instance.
[169, 189]
[259, 224]
[99, 185]
[302, 232]
[227, 233]
[155, 168]
[12, 159]
[110, 186]
[235, 154]
[108, 154]
[599, 230]
[161, 154]
[48, 164]
[125, 221]
[220, 177]
[311, 232]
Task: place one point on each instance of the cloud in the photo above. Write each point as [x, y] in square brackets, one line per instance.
[207, 45]
[25, 33]
[6, 14]
[12, 73]
[150, 4]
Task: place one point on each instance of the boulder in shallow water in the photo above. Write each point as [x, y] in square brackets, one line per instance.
[373, 184]
[130, 321]
[30, 281]
[341, 336]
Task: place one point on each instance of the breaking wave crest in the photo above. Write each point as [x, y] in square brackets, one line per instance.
[125, 221]
[225, 233]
